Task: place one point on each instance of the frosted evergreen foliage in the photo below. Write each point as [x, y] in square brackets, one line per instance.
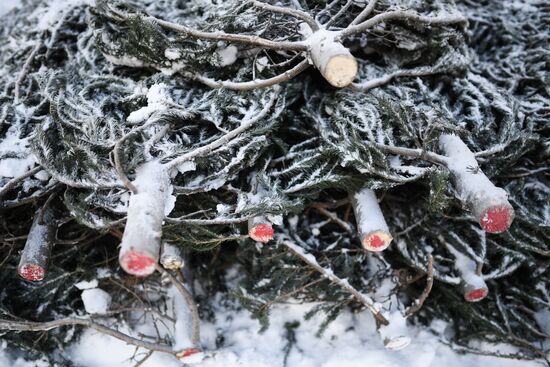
[248, 120]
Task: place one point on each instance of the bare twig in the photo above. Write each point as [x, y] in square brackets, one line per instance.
[253, 84]
[399, 15]
[415, 153]
[195, 328]
[364, 13]
[70, 321]
[222, 36]
[205, 149]
[310, 260]
[429, 283]
[288, 11]
[17, 180]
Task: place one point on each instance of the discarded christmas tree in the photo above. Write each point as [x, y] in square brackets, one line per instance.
[377, 156]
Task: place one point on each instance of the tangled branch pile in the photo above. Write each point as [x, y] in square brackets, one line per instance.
[386, 156]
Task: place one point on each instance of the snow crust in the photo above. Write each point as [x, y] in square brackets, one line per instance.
[369, 215]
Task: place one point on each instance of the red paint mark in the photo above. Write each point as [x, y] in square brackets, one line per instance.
[262, 232]
[496, 219]
[188, 352]
[32, 272]
[138, 264]
[476, 295]
[375, 241]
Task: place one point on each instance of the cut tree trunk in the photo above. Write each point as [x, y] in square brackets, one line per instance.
[373, 230]
[140, 246]
[260, 229]
[474, 289]
[334, 60]
[488, 203]
[171, 257]
[36, 254]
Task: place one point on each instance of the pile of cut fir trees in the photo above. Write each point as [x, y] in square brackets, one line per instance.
[386, 156]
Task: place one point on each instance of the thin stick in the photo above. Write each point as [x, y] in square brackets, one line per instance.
[48, 325]
[385, 79]
[253, 84]
[399, 15]
[195, 328]
[429, 283]
[310, 260]
[221, 36]
[15, 181]
[288, 11]
[205, 149]
[364, 13]
[415, 153]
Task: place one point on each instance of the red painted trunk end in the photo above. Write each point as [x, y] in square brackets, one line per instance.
[32, 272]
[262, 232]
[497, 219]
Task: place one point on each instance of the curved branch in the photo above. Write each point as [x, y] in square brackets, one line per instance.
[415, 153]
[70, 321]
[364, 13]
[310, 260]
[429, 283]
[377, 82]
[205, 149]
[17, 180]
[222, 36]
[400, 15]
[253, 84]
[299, 14]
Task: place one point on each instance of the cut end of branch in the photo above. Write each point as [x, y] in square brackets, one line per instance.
[137, 263]
[397, 343]
[262, 232]
[376, 241]
[341, 70]
[190, 355]
[497, 219]
[32, 272]
[476, 294]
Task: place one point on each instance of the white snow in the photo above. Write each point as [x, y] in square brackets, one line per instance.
[350, 341]
[96, 300]
[228, 55]
[87, 284]
[7, 5]
[158, 99]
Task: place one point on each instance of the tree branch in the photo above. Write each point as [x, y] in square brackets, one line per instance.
[205, 149]
[399, 15]
[429, 283]
[364, 13]
[299, 14]
[311, 261]
[253, 84]
[70, 321]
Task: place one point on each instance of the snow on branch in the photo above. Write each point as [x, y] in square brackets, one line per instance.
[343, 283]
[488, 203]
[472, 282]
[36, 253]
[373, 230]
[317, 43]
[140, 246]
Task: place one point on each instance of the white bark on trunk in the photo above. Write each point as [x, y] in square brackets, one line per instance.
[36, 254]
[373, 230]
[260, 229]
[488, 203]
[473, 286]
[140, 246]
[334, 61]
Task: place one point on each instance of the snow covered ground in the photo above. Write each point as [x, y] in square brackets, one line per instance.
[350, 341]
[7, 5]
